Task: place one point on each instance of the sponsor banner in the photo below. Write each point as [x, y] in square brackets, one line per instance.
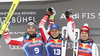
[21, 16]
[83, 15]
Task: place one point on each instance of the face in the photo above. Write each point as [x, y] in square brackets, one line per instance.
[54, 33]
[84, 35]
[31, 30]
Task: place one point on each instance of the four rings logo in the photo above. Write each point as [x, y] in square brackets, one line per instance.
[12, 47]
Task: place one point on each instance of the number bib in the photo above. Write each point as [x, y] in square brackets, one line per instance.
[33, 47]
[53, 47]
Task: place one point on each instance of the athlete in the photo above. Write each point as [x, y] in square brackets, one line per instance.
[70, 24]
[86, 45]
[32, 43]
[53, 39]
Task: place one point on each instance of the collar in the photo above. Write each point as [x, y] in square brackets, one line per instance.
[89, 40]
[59, 36]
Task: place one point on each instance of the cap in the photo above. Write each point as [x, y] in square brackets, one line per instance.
[54, 26]
[85, 28]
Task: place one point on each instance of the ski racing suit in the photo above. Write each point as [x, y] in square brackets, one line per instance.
[52, 46]
[31, 47]
[70, 28]
[87, 48]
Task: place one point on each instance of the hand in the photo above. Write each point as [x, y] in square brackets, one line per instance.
[69, 13]
[50, 11]
[70, 16]
[7, 29]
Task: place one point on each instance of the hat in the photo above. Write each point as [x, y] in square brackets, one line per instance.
[85, 28]
[30, 23]
[54, 26]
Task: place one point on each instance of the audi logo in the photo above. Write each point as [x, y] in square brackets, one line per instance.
[12, 47]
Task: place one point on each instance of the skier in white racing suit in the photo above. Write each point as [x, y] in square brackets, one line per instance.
[70, 24]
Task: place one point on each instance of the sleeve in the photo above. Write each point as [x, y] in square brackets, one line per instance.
[70, 30]
[51, 21]
[95, 50]
[44, 32]
[13, 41]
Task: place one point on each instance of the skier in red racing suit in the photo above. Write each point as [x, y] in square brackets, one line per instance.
[86, 45]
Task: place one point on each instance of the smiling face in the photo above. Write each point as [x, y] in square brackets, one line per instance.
[84, 35]
[54, 33]
[31, 30]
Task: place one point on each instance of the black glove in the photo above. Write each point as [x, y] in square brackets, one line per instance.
[69, 12]
[50, 11]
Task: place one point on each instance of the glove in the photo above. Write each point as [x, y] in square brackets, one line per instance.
[54, 12]
[68, 13]
[6, 29]
[50, 11]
